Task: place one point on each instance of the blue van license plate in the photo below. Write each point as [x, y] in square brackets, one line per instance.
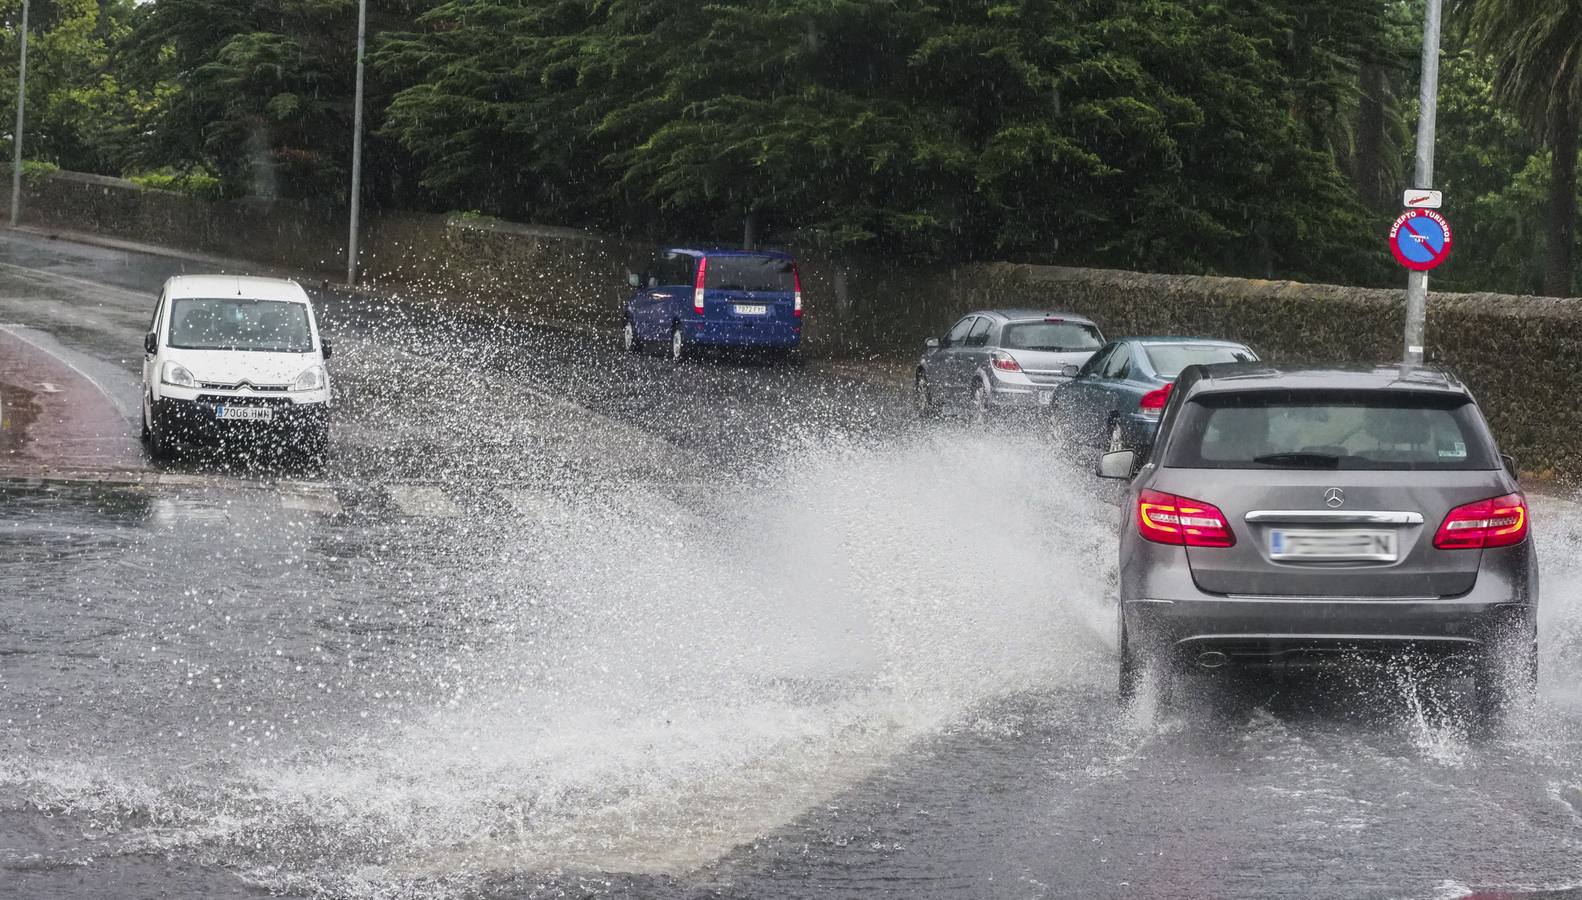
[751, 309]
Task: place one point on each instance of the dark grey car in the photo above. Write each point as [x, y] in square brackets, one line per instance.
[1289, 516]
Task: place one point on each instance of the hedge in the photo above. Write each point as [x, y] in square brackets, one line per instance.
[1518, 354]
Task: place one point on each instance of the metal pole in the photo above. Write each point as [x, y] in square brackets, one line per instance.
[21, 104]
[357, 147]
[1423, 179]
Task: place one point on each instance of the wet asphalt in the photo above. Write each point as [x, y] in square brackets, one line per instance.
[557, 621]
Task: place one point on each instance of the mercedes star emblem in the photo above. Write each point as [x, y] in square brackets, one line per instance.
[1334, 498]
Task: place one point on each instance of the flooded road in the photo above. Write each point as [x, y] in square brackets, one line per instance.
[559, 622]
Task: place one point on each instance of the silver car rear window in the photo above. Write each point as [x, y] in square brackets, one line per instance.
[1055, 337]
[1369, 430]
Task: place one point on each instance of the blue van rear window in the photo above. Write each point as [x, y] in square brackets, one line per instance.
[749, 273]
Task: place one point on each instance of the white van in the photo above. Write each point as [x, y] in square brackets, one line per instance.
[234, 357]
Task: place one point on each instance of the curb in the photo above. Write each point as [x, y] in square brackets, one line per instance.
[109, 243]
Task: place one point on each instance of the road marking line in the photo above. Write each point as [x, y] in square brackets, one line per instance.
[325, 503]
[48, 388]
[423, 500]
[96, 285]
[539, 504]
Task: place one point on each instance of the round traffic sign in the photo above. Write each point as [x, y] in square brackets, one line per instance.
[1420, 239]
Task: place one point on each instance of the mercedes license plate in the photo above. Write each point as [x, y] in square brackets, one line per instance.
[1334, 544]
[751, 309]
[244, 413]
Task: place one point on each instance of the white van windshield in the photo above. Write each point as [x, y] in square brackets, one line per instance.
[278, 326]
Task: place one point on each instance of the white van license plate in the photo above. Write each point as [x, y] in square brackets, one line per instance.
[245, 413]
[1334, 544]
[751, 309]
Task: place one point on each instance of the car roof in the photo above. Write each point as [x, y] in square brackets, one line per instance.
[728, 251]
[1156, 340]
[1016, 315]
[1259, 376]
[245, 286]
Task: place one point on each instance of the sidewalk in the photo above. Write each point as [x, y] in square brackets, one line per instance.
[52, 414]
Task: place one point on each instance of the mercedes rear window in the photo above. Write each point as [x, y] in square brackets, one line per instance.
[1169, 359]
[1056, 337]
[749, 273]
[1377, 430]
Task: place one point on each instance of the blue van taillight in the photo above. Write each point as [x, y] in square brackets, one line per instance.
[796, 288]
[697, 286]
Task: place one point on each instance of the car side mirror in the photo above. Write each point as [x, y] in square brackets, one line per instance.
[1069, 370]
[1118, 464]
[1510, 462]
[634, 279]
[325, 346]
[150, 343]
[932, 343]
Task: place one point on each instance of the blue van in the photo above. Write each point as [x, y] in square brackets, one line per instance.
[692, 298]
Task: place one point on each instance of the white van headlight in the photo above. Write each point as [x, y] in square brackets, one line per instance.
[177, 374]
[310, 380]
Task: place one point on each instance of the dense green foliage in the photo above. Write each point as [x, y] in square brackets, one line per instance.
[1137, 132]
[1251, 137]
[83, 113]
[1536, 46]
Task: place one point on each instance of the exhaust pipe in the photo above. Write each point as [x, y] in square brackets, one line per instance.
[1211, 659]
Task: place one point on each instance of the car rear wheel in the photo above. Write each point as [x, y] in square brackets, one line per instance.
[923, 397]
[1116, 441]
[678, 344]
[1505, 681]
[1146, 666]
[1131, 671]
[629, 341]
[978, 404]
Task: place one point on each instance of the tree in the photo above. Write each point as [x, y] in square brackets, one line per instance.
[1145, 133]
[81, 114]
[1536, 46]
[265, 91]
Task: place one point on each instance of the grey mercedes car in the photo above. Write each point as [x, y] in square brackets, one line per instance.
[1289, 517]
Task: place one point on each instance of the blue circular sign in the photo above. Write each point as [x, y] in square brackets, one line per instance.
[1420, 239]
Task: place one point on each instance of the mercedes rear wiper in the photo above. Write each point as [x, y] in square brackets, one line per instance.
[1301, 460]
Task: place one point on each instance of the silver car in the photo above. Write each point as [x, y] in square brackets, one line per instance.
[1003, 359]
[1289, 517]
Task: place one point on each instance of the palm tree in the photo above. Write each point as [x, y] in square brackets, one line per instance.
[1536, 46]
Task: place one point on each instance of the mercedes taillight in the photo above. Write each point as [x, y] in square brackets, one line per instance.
[1496, 522]
[1168, 519]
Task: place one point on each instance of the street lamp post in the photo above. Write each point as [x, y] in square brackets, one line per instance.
[1423, 178]
[357, 147]
[21, 104]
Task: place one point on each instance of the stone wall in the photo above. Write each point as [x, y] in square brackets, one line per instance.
[1518, 353]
